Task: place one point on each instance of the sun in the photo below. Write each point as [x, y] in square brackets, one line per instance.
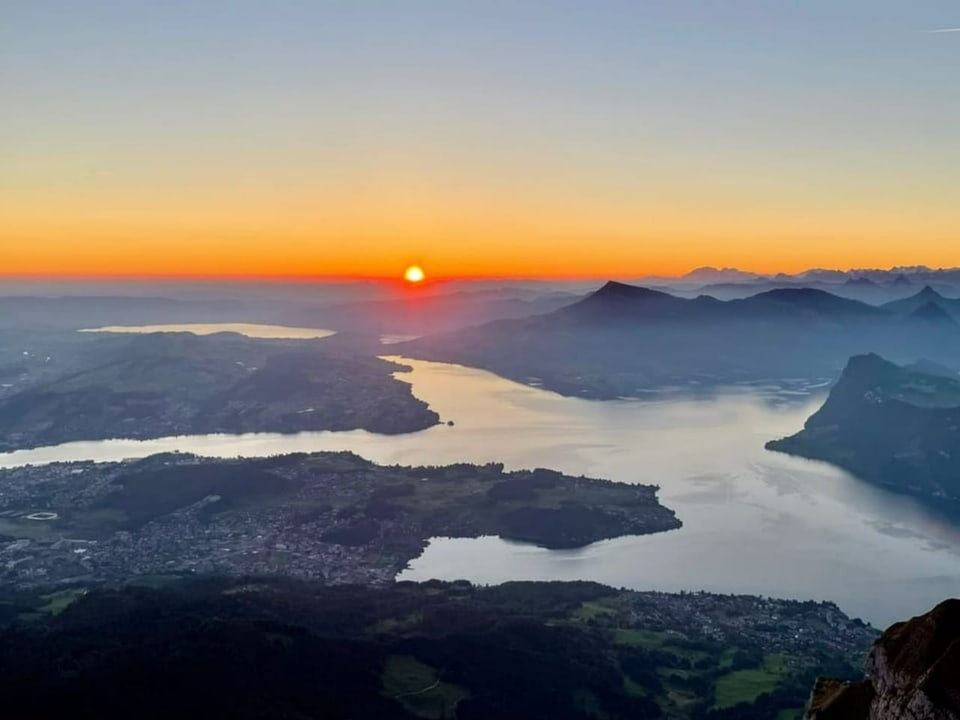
[414, 274]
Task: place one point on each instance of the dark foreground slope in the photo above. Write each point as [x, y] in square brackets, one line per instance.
[521, 651]
[912, 673]
[624, 340]
[895, 426]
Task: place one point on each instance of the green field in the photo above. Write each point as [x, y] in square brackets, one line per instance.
[391, 625]
[59, 601]
[418, 688]
[639, 638]
[747, 685]
[592, 610]
[795, 714]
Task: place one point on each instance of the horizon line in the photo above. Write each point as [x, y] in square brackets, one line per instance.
[431, 279]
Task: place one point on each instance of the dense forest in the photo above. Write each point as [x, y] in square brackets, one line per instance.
[278, 648]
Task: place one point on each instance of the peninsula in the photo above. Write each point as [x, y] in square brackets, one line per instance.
[329, 516]
[896, 426]
[164, 384]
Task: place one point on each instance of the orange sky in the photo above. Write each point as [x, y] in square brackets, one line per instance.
[121, 233]
[543, 138]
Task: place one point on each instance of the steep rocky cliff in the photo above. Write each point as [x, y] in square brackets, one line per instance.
[912, 673]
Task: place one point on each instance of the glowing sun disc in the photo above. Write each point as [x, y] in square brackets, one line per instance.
[414, 274]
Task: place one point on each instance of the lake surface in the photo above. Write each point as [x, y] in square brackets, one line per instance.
[754, 521]
[396, 339]
[251, 330]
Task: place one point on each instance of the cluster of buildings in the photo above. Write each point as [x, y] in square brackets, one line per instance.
[790, 627]
[49, 533]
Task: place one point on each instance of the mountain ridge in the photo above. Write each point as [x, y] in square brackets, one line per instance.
[895, 426]
[625, 341]
[926, 296]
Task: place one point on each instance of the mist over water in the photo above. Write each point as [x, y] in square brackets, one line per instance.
[754, 521]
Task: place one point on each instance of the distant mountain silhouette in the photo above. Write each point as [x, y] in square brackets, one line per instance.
[925, 366]
[824, 275]
[869, 285]
[934, 314]
[625, 340]
[620, 292]
[891, 279]
[709, 274]
[619, 302]
[740, 290]
[808, 301]
[863, 289]
[927, 296]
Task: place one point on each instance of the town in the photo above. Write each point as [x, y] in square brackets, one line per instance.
[326, 516]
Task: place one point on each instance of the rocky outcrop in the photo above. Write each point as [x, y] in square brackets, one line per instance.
[837, 700]
[912, 673]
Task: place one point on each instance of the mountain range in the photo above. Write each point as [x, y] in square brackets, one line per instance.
[626, 340]
[925, 298]
[867, 285]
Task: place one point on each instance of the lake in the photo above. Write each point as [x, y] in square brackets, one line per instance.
[754, 521]
[251, 330]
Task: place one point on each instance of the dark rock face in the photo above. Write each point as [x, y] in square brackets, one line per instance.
[837, 700]
[912, 673]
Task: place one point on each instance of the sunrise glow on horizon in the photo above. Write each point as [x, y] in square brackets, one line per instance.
[484, 139]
